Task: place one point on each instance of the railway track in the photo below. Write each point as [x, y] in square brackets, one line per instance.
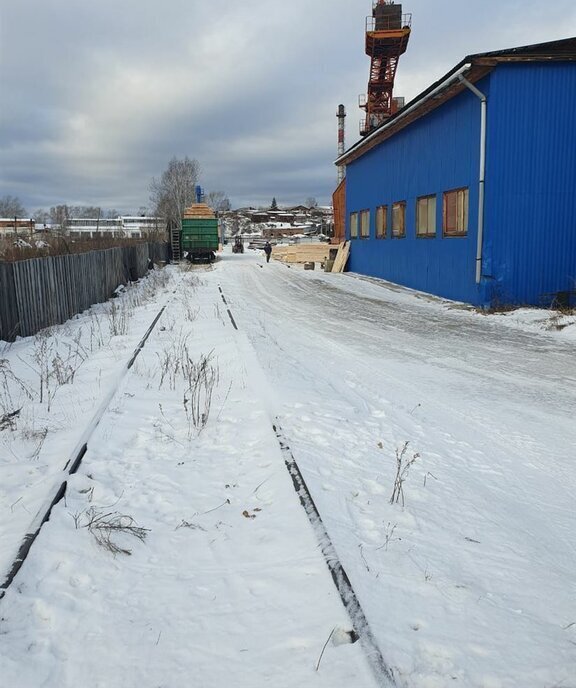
[361, 629]
[58, 490]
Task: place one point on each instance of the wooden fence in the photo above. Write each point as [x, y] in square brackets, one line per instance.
[37, 293]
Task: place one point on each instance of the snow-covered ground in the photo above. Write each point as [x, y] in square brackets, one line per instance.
[467, 580]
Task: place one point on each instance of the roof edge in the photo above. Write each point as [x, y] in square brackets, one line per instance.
[562, 49]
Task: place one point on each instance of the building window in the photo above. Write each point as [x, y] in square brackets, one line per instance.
[381, 221]
[426, 216]
[353, 225]
[455, 212]
[399, 219]
[364, 224]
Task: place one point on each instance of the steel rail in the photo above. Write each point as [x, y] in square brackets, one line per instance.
[362, 631]
[59, 490]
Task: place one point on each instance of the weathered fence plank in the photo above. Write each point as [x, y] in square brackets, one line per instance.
[41, 292]
[9, 319]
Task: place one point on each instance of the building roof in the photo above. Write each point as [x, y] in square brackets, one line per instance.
[473, 67]
[18, 219]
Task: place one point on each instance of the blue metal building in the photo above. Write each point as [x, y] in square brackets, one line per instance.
[469, 192]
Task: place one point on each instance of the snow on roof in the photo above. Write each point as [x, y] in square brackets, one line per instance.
[18, 219]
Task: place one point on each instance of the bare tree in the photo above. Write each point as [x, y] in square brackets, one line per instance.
[41, 216]
[85, 211]
[11, 207]
[218, 200]
[311, 202]
[59, 215]
[174, 191]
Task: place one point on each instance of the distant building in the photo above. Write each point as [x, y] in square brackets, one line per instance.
[272, 216]
[259, 216]
[468, 192]
[21, 225]
[283, 222]
[93, 228]
[139, 226]
[125, 226]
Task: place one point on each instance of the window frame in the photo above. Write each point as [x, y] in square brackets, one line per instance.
[428, 233]
[461, 211]
[399, 234]
[381, 227]
[364, 223]
[354, 225]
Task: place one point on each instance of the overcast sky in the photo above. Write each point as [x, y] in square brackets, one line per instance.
[97, 96]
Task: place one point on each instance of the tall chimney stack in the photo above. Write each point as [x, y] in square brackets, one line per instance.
[341, 114]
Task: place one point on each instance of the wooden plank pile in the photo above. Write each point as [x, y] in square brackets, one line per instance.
[314, 253]
[199, 211]
[341, 257]
[301, 253]
[258, 243]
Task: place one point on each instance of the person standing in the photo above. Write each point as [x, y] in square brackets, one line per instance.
[267, 251]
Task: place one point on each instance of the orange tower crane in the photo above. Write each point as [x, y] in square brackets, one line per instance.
[387, 34]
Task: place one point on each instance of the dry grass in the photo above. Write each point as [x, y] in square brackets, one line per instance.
[561, 318]
[564, 310]
[8, 420]
[10, 384]
[105, 526]
[202, 379]
[403, 463]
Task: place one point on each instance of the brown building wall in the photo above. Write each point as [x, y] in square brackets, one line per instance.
[339, 205]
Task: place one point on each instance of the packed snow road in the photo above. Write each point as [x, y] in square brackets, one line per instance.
[467, 579]
[473, 579]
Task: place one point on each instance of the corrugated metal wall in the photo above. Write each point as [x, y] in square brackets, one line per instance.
[529, 250]
[437, 153]
[37, 293]
[531, 183]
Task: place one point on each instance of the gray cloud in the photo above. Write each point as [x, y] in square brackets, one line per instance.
[97, 97]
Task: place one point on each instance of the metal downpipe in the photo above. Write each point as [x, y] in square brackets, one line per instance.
[481, 180]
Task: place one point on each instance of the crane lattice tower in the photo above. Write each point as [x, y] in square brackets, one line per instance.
[387, 34]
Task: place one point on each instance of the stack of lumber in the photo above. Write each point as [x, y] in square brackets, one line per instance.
[199, 211]
[301, 253]
[258, 242]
